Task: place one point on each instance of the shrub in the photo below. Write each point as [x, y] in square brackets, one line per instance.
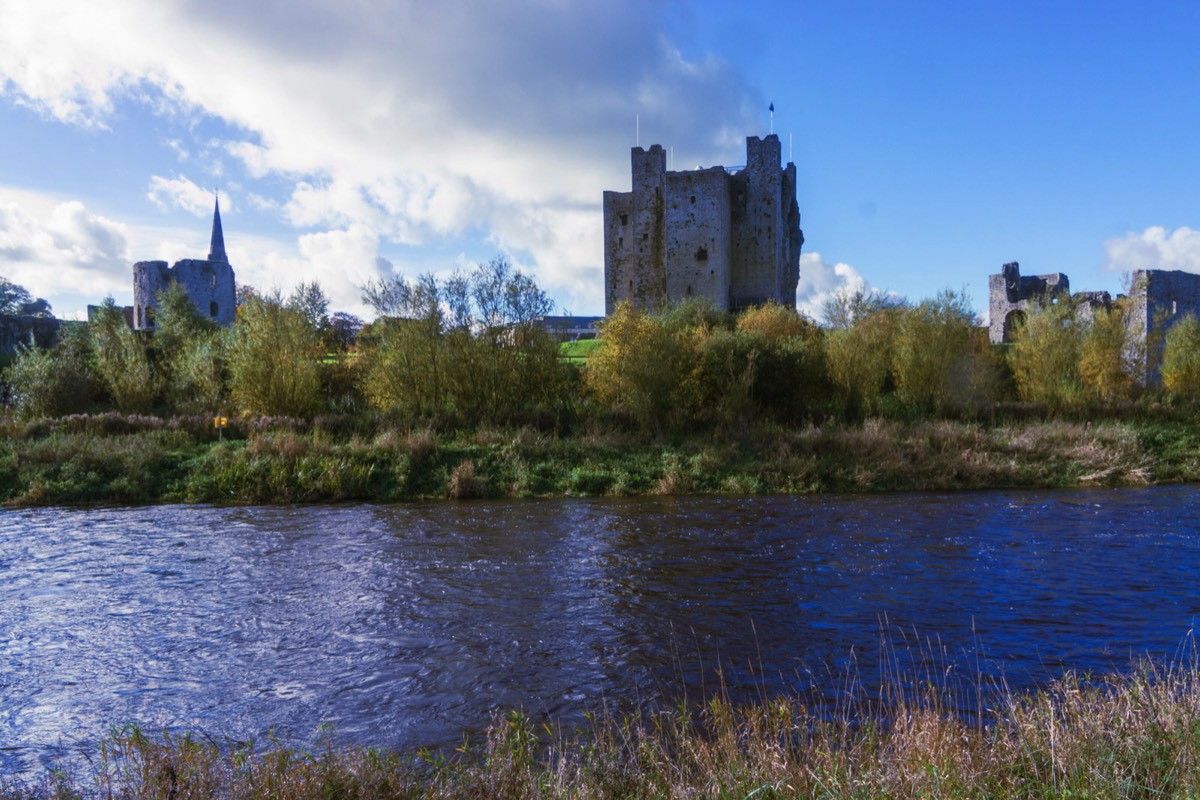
[52, 382]
[1181, 359]
[273, 355]
[1045, 356]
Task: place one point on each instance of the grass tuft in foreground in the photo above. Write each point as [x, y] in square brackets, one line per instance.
[1129, 736]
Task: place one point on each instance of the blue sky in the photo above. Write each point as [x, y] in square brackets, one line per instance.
[934, 141]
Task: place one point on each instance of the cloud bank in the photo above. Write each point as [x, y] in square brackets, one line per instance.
[820, 282]
[63, 245]
[403, 124]
[1154, 248]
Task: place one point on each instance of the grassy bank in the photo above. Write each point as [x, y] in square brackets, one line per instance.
[1133, 736]
[133, 459]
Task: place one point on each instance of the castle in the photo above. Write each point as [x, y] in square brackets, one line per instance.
[209, 283]
[1157, 300]
[732, 236]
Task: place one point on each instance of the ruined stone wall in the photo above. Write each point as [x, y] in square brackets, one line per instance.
[1012, 296]
[17, 330]
[209, 284]
[1157, 300]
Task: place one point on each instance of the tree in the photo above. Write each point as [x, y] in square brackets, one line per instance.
[1181, 359]
[273, 354]
[848, 307]
[1104, 353]
[122, 362]
[1044, 355]
[311, 301]
[343, 330]
[934, 361]
[640, 368]
[470, 347]
[15, 299]
[51, 382]
[189, 353]
[860, 359]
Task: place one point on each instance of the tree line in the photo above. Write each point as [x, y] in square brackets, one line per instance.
[470, 350]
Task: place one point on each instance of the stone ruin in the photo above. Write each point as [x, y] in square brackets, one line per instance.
[209, 283]
[1157, 300]
[732, 236]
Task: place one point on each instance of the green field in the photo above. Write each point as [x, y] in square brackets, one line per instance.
[579, 350]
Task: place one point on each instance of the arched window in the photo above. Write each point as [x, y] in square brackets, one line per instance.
[212, 308]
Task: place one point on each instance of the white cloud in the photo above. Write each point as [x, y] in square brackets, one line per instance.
[181, 192]
[1154, 248]
[820, 282]
[46, 246]
[420, 121]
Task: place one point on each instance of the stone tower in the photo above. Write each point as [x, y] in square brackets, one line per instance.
[209, 283]
[732, 236]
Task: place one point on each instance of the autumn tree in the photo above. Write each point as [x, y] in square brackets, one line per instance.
[272, 354]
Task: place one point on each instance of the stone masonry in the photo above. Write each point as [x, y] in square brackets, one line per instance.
[731, 236]
[208, 282]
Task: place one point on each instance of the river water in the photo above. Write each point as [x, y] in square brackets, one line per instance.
[407, 625]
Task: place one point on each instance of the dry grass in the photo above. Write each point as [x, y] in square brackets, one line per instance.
[1130, 736]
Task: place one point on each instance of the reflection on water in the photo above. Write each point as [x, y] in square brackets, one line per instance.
[406, 625]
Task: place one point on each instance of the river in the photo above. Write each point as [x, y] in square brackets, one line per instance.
[407, 625]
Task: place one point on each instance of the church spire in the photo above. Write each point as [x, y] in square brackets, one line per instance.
[216, 250]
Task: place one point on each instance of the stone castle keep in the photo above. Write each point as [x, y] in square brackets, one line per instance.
[209, 282]
[730, 236]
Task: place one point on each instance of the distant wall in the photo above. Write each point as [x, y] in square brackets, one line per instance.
[21, 330]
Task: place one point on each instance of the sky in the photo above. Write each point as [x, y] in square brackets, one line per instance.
[349, 141]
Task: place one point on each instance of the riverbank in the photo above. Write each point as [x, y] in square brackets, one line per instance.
[110, 458]
[1130, 736]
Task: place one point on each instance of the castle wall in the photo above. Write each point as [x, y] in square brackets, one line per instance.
[696, 251]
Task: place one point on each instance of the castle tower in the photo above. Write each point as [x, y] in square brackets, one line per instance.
[732, 238]
[209, 283]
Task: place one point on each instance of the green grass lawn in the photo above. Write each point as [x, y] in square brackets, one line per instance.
[579, 350]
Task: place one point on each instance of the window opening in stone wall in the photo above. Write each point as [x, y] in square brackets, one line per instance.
[693, 199]
[212, 309]
[702, 254]
[620, 241]
[1174, 308]
[624, 219]
[214, 281]
[689, 290]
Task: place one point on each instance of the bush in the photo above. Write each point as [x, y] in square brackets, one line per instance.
[1181, 359]
[273, 355]
[1045, 356]
[52, 382]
